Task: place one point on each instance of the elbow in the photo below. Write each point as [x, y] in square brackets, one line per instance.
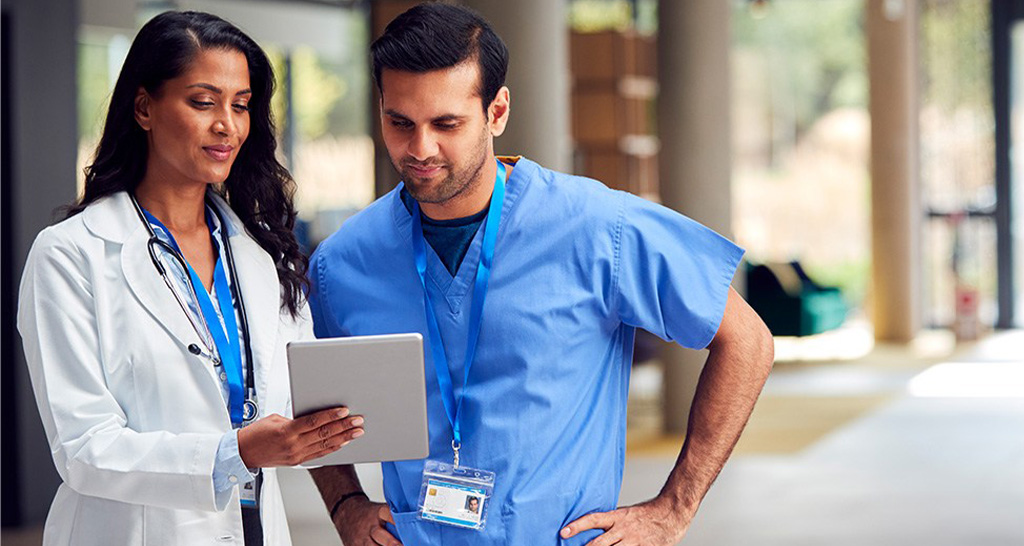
[765, 346]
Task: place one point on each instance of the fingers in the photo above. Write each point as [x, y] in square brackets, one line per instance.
[345, 429]
[596, 520]
[277, 441]
[607, 538]
[385, 515]
[313, 421]
[381, 536]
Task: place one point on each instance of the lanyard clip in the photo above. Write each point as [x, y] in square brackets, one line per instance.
[456, 446]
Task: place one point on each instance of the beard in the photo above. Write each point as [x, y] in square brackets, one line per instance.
[457, 180]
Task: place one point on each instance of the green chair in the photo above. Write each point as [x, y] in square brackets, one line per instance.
[792, 304]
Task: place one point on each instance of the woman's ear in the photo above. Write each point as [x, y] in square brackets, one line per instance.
[142, 109]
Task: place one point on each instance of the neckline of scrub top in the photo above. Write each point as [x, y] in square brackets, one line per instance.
[455, 288]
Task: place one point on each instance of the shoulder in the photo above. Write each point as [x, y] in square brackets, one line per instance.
[363, 230]
[564, 198]
[64, 240]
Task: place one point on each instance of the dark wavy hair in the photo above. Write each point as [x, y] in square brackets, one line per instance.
[434, 36]
[259, 189]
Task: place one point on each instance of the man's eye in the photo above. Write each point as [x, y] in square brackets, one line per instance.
[401, 123]
[446, 126]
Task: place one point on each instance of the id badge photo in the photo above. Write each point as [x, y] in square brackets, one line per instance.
[455, 496]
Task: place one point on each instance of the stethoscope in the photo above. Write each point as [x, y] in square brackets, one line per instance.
[250, 410]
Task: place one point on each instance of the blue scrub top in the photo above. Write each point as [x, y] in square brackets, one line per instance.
[577, 267]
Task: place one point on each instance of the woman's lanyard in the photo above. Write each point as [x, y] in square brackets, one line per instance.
[483, 273]
[228, 346]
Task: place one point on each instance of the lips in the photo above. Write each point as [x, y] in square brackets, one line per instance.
[424, 171]
[219, 152]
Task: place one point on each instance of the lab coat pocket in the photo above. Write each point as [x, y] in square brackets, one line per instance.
[412, 531]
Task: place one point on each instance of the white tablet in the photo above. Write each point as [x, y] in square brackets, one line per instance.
[378, 377]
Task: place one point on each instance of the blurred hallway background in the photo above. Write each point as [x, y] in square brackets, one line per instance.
[866, 153]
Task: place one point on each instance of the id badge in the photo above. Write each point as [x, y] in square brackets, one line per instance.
[249, 492]
[455, 496]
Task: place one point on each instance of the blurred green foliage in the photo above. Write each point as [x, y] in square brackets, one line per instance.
[599, 15]
[815, 51]
[956, 51]
[94, 88]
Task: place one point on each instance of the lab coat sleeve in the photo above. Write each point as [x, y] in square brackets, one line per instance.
[672, 273]
[95, 453]
[229, 465]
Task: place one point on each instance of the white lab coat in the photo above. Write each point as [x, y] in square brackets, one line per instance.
[133, 419]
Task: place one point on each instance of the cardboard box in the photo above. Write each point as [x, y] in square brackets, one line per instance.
[602, 116]
[637, 174]
[610, 55]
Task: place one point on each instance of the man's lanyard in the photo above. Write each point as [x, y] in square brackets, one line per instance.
[483, 273]
[228, 347]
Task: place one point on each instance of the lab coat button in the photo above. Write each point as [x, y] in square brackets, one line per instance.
[233, 479]
[223, 376]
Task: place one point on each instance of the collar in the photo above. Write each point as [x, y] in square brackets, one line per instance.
[113, 217]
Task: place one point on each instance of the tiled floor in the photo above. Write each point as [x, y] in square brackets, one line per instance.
[872, 464]
[898, 446]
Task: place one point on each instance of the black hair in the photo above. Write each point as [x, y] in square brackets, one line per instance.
[434, 36]
[259, 189]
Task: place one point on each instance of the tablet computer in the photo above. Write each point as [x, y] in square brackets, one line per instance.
[378, 377]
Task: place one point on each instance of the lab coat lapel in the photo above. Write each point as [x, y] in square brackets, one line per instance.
[149, 287]
[114, 218]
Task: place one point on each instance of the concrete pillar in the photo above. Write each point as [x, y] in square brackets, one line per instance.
[537, 35]
[896, 211]
[40, 153]
[695, 159]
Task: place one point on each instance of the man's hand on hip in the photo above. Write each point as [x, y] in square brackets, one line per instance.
[651, 523]
[361, 523]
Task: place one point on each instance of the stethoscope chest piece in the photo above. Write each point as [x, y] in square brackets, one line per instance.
[250, 410]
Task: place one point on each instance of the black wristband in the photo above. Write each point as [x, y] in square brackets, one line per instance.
[344, 498]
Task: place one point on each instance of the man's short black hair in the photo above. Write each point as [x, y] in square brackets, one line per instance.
[434, 36]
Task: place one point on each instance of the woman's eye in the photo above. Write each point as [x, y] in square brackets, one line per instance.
[201, 103]
[241, 107]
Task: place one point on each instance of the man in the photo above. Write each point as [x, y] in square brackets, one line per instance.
[544, 325]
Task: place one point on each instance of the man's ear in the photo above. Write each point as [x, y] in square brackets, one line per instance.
[498, 112]
[142, 101]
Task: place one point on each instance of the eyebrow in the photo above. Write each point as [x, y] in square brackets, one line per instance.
[447, 117]
[246, 91]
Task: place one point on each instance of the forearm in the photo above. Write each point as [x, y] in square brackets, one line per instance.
[334, 482]
[729, 385]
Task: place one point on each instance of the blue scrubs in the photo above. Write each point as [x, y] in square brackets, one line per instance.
[577, 267]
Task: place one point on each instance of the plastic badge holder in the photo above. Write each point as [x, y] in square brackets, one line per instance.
[455, 496]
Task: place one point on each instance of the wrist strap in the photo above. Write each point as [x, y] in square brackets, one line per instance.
[344, 498]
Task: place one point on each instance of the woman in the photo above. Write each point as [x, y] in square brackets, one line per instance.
[155, 316]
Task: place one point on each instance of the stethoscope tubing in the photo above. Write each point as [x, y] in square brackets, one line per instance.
[251, 409]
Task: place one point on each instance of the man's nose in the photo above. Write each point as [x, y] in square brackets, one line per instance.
[423, 145]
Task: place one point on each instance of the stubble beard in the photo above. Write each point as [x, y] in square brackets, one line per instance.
[455, 184]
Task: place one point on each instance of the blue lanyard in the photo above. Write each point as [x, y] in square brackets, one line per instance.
[228, 347]
[483, 274]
